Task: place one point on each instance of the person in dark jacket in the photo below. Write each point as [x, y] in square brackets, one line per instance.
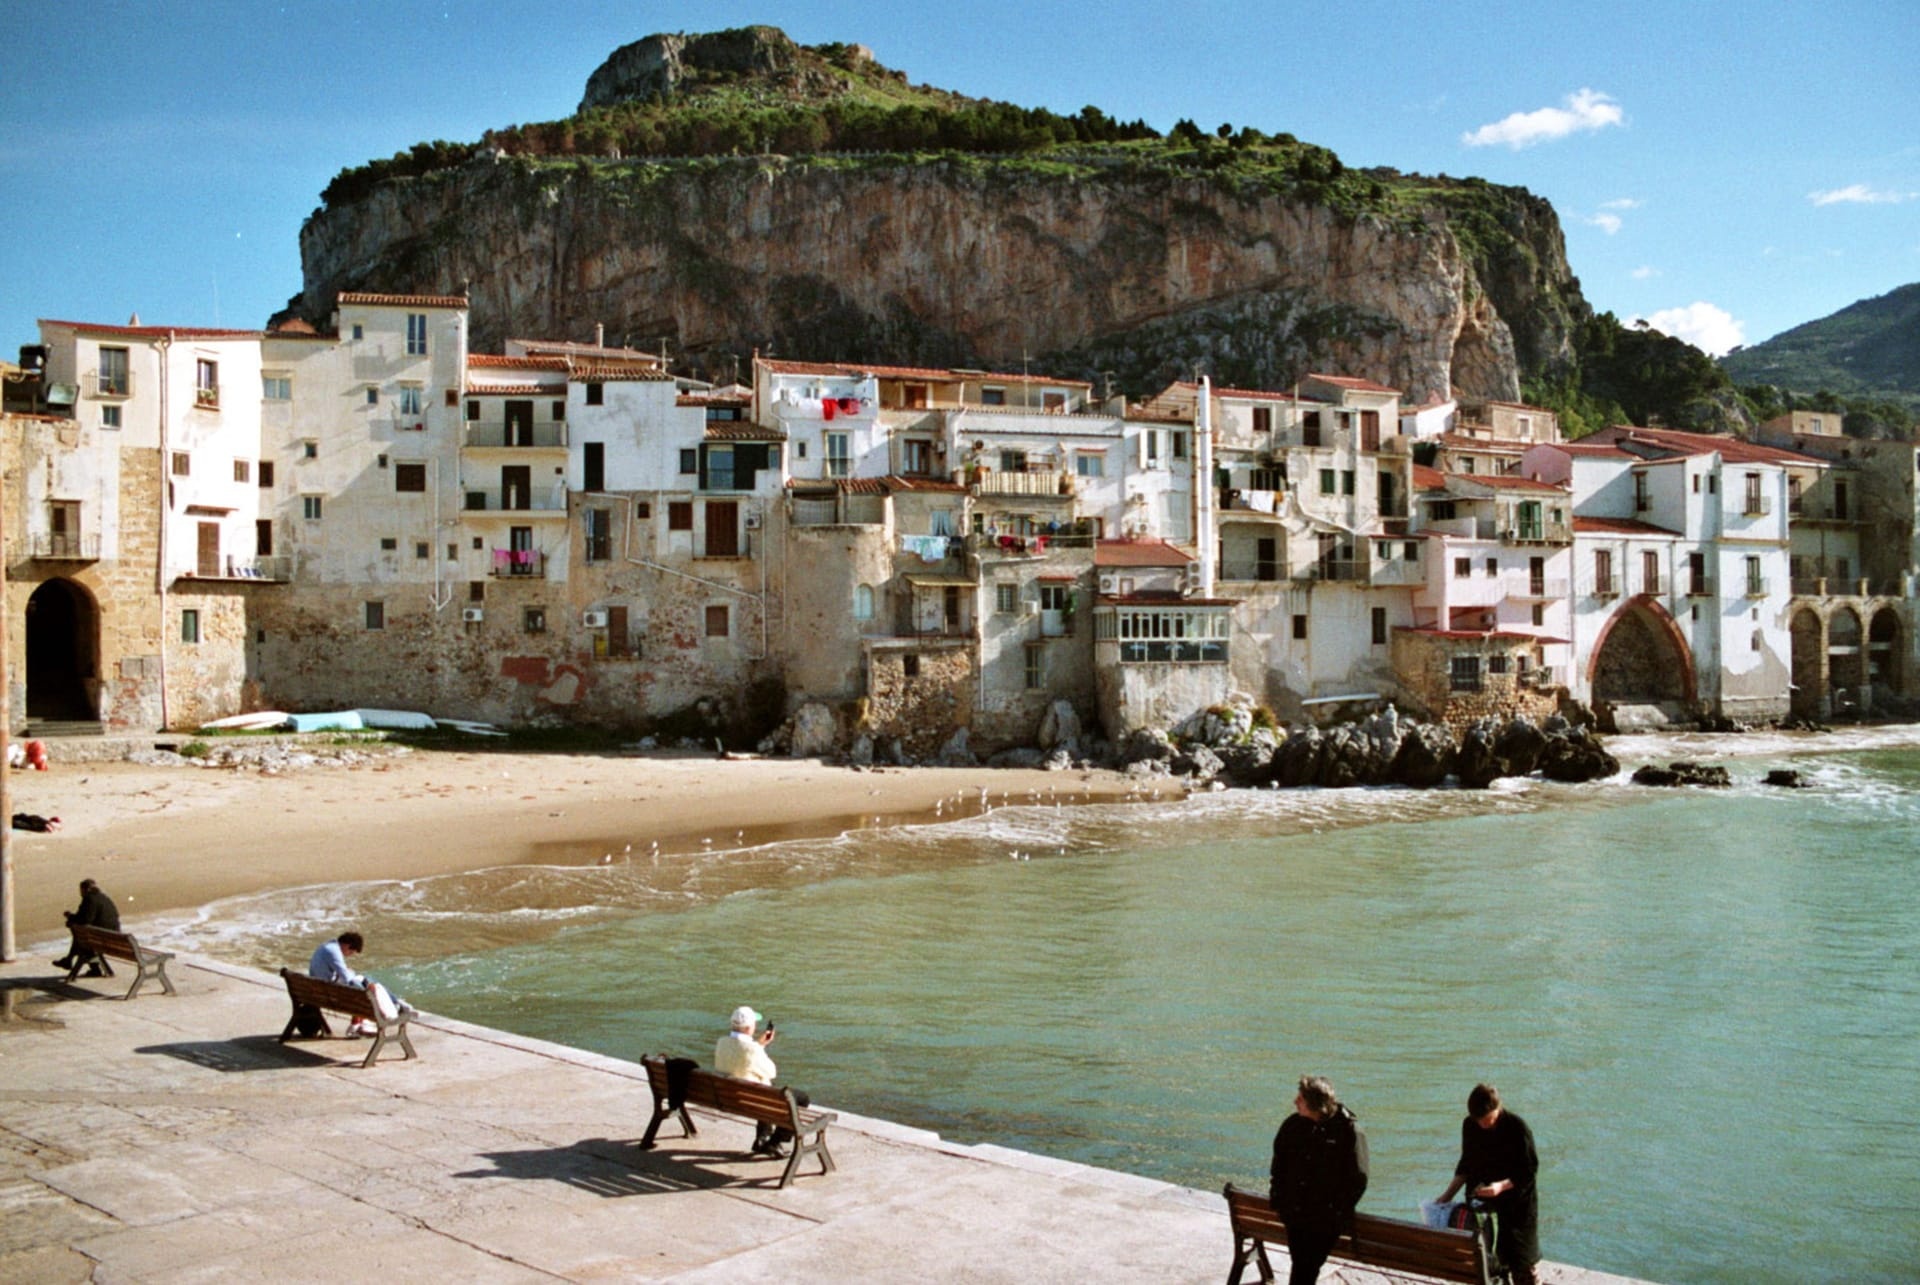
[96, 909]
[1319, 1174]
[1497, 1165]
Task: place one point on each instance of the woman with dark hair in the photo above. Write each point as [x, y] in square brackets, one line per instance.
[1319, 1174]
[1497, 1165]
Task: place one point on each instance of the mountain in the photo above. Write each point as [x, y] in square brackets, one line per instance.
[1867, 349]
[737, 191]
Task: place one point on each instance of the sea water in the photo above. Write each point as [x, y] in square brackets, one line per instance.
[1705, 1003]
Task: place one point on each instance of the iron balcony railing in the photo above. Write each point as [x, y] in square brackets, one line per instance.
[1756, 506]
[505, 501]
[518, 564]
[61, 546]
[497, 435]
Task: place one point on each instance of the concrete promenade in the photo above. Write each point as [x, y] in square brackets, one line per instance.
[171, 1138]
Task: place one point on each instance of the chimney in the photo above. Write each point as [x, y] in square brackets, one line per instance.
[599, 334]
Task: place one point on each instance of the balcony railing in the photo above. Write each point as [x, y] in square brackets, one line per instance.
[1700, 587]
[501, 501]
[276, 569]
[1040, 542]
[1538, 533]
[108, 384]
[1540, 590]
[518, 564]
[1608, 588]
[56, 547]
[1349, 570]
[1252, 570]
[1756, 506]
[1756, 586]
[497, 436]
[1538, 676]
[1001, 482]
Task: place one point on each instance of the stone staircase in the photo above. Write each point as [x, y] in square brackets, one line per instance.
[47, 729]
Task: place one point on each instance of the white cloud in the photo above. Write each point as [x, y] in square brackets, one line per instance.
[1645, 272]
[1608, 223]
[1623, 203]
[1709, 328]
[1859, 194]
[1584, 112]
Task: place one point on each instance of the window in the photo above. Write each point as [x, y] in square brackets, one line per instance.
[1497, 664]
[379, 461]
[359, 331]
[1346, 482]
[1697, 574]
[1006, 599]
[422, 550]
[993, 396]
[863, 602]
[1300, 628]
[453, 396]
[412, 397]
[916, 457]
[1756, 583]
[799, 450]
[473, 409]
[1493, 566]
[310, 507]
[559, 412]
[376, 615]
[910, 666]
[1649, 572]
[1462, 568]
[1054, 597]
[310, 450]
[839, 460]
[476, 591]
[1379, 626]
[599, 535]
[1465, 673]
[206, 383]
[109, 417]
[1642, 499]
[533, 620]
[1603, 571]
[189, 625]
[1442, 511]
[263, 537]
[1539, 614]
[1263, 419]
[410, 477]
[1310, 428]
[416, 334]
[1030, 674]
[1013, 461]
[1466, 464]
[115, 381]
[242, 471]
[596, 394]
[689, 460]
[717, 621]
[373, 395]
[276, 388]
[679, 515]
[1326, 481]
[1179, 445]
[1090, 465]
[182, 464]
[643, 510]
[389, 543]
[266, 474]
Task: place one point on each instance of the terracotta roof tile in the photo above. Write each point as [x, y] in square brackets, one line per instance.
[560, 347]
[857, 370]
[512, 390]
[1429, 479]
[1357, 385]
[403, 300]
[1138, 553]
[898, 483]
[1511, 482]
[724, 431]
[496, 361]
[155, 332]
[1736, 450]
[612, 372]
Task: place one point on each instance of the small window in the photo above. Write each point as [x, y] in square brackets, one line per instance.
[182, 464]
[1300, 627]
[376, 615]
[533, 620]
[422, 550]
[1326, 481]
[993, 396]
[190, 626]
[1087, 465]
[266, 474]
[1496, 664]
[379, 461]
[389, 543]
[1031, 675]
[1462, 568]
[310, 507]
[1465, 673]
[1539, 614]
[559, 411]
[243, 470]
[416, 334]
[717, 621]
[476, 591]
[1006, 599]
[453, 552]
[910, 666]
[1493, 566]
[689, 460]
[276, 388]
[373, 395]
[643, 510]
[206, 383]
[1379, 626]
[473, 409]
[1346, 481]
[410, 477]
[110, 417]
[412, 398]
[310, 450]
[1262, 419]
[800, 450]
[596, 394]
[359, 331]
[679, 515]
[1179, 446]
[863, 602]
[453, 397]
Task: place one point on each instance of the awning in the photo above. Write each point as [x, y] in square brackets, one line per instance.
[942, 582]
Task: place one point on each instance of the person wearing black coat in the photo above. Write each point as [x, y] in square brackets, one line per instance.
[1498, 1165]
[96, 909]
[1319, 1174]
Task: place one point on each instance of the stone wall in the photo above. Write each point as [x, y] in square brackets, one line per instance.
[1424, 664]
[1153, 695]
[922, 709]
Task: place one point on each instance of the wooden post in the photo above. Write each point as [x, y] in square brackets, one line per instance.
[7, 953]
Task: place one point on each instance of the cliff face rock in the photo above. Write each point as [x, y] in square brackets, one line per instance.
[947, 262]
[660, 65]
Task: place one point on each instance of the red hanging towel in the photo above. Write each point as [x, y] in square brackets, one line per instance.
[826, 407]
[849, 405]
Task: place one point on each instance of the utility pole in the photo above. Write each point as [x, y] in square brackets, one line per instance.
[7, 952]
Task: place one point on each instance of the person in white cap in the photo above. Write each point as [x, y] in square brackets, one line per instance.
[742, 1053]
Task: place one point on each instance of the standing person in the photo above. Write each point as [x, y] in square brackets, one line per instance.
[329, 964]
[97, 910]
[1319, 1174]
[1498, 1160]
[743, 1054]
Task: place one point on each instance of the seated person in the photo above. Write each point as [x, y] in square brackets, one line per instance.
[97, 910]
[743, 1054]
[329, 964]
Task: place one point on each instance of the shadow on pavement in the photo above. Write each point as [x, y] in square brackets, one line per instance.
[611, 1168]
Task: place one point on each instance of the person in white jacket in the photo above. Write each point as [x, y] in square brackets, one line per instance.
[743, 1054]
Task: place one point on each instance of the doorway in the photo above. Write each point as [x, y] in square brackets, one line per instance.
[63, 630]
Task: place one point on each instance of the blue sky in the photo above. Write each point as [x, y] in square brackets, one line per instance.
[1728, 169]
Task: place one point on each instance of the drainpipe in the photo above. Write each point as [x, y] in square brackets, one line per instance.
[160, 564]
[1203, 485]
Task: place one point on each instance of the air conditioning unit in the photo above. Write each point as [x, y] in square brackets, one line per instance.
[594, 619]
[473, 615]
[1109, 584]
[753, 521]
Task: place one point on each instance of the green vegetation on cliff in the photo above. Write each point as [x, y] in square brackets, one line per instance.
[1868, 351]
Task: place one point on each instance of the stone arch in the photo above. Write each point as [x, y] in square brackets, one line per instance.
[1642, 658]
[63, 652]
[1846, 660]
[1809, 634]
[1886, 653]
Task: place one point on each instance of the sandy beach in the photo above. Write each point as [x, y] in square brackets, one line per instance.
[170, 838]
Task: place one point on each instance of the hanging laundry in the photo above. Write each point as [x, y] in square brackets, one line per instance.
[849, 405]
[1039, 544]
[827, 405]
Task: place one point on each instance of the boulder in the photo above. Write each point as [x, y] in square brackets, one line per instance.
[1147, 743]
[1144, 769]
[1059, 726]
[1247, 766]
[1426, 755]
[1475, 765]
[1576, 758]
[860, 753]
[953, 751]
[1297, 761]
[1345, 757]
[1786, 778]
[1197, 761]
[1705, 774]
[815, 731]
[1025, 756]
[1518, 747]
[1059, 761]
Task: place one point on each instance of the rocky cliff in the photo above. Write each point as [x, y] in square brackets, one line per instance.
[1082, 262]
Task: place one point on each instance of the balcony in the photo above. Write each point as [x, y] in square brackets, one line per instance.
[1538, 533]
[1537, 590]
[1050, 483]
[117, 383]
[1537, 677]
[1251, 570]
[1608, 588]
[499, 436]
[1036, 544]
[207, 398]
[1756, 506]
[276, 570]
[518, 564]
[63, 547]
[1342, 570]
[1700, 587]
[1756, 586]
[510, 502]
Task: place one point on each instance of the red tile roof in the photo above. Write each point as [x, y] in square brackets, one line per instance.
[512, 390]
[154, 332]
[1429, 479]
[1617, 526]
[1511, 482]
[543, 347]
[610, 372]
[844, 485]
[403, 300]
[294, 326]
[495, 361]
[713, 399]
[909, 372]
[898, 483]
[1357, 385]
[723, 431]
[1735, 450]
[1138, 553]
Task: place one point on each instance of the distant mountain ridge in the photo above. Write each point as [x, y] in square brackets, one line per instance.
[1870, 348]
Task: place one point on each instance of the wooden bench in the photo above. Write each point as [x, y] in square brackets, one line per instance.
[93, 945]
[355, 1001]
[761, 1103]
[1385, 1244]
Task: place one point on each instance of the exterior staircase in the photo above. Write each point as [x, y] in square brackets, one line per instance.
[47, 729]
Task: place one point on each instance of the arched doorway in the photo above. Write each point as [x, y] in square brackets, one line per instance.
[1809, 645]
[1642, 660]
[63, 630]
[1884, 652]
[1846, 661]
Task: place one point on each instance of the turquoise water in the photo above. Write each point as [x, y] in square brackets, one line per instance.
[1707, 1005]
